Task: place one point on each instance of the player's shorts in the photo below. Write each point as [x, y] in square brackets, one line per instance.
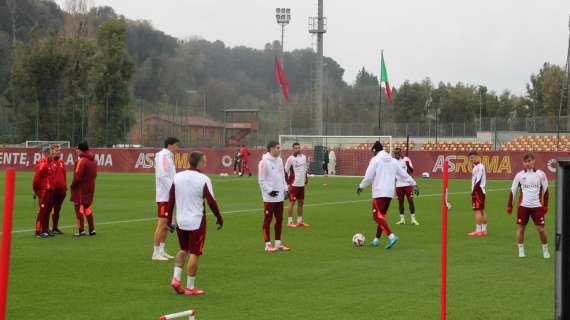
[193, 241]
[380, 206]
[296, 193]
[407, 191]
[478, 200]
[162, 209]
[273, 208]
[524, 214]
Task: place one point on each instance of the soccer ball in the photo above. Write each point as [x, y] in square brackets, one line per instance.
[358, 240]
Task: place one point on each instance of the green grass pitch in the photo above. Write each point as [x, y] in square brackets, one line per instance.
[111, 276]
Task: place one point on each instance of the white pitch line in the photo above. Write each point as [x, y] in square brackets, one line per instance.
[322, 204]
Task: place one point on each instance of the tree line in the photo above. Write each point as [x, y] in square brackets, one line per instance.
[88, 73]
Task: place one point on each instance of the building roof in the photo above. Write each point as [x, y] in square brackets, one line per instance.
[186, 121]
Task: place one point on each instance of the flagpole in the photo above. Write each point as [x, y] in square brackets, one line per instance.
[380, 98]
[380, 109]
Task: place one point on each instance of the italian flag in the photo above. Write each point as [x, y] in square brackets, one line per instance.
[384, 78]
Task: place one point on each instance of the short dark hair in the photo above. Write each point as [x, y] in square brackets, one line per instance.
[528, 156]
[83, 146]
[272, 144]
[195, 158]
[473, 153]
[170, 141]
[296, 144]
[377, 147]
[46, 150]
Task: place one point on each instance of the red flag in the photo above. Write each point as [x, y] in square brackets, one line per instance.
[281, 79]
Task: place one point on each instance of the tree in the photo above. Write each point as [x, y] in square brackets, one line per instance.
[544, 90]
[410, 100]
[110, 118]
[365, 79]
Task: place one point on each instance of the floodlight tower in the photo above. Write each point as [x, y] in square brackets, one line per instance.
[283, 17]
[318, 26]
[565, 95]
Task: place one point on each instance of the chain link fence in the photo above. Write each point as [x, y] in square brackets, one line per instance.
[151, 122]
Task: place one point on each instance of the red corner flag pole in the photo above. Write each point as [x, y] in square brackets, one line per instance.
[6, 238]
[444, 242]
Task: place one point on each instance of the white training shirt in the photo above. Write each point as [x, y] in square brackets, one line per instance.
[533, 183]
[403, 163]
[381, 173]
[164, 171]
[272, 178]
[479, 177]
[190, 189]
[296, 168]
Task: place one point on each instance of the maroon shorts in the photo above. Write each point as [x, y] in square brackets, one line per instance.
[296, 193]
[380, 207]
[407, 192]
[524, 214]
[478, 200]
[193, 241]
[162, 209]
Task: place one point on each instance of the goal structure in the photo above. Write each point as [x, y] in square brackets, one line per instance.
[39, 143]
[348, 155]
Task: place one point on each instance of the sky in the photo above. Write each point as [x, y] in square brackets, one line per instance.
[497, 43]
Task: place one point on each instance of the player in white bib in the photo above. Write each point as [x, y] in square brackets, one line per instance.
[478, 194]
[296, 168]
[405, 189]
[190, 191]
[532, 185]
[381, 174]
[164, 170]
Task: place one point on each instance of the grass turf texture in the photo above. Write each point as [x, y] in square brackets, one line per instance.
[111, 276]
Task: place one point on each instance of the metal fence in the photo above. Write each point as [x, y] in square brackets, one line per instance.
[273, 124]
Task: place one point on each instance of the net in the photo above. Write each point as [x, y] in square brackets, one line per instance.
[347, 155]
[39, 143]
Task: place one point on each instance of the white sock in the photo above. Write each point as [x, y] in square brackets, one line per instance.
[545, 247]
[156, 250]
[277, 243]
[391, 236]
[299, 219]
[521, 246]
[402, 217]
[177, 273]
[190, 282]
[161, 248]
[484, 227]
[376, 239]
[290, 220]
[478, 228]
[267, 244]
[413, 215]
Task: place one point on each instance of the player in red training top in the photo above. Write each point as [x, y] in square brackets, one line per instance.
[405, 189]
[42, 186]
[478, 183]
[189, 190]
[296, 168]
[60, 186]
[532, 185]
[244, 154]
[83, 189]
